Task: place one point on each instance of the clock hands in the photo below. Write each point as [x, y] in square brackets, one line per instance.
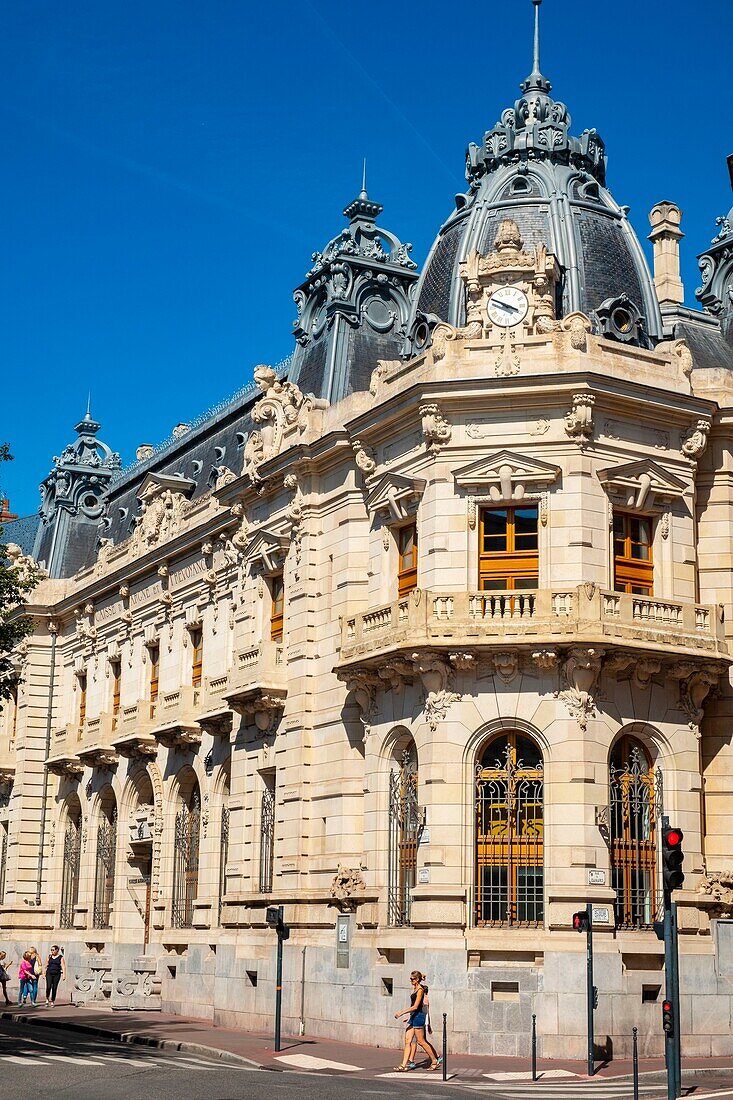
[505, 305]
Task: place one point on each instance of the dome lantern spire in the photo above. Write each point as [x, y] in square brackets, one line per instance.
[536, 82]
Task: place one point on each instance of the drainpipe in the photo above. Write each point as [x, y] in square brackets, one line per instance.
[301, 1027]
[53, 631]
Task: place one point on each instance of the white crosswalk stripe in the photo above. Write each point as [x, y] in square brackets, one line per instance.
[30, 1059]
[601, 1090]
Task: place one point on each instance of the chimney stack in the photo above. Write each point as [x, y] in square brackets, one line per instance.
[666, 235]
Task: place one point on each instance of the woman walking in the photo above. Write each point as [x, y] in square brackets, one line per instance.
[416, 1025]
[4, 975]
[37, 972]
[25, 978]
[55, 972]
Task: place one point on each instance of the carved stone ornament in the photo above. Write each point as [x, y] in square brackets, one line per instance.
[640, 484]
[282, 409]
[718, 887]
[436, 429]
[579, 421]
[364, 458]
[362, 686]
[504, 476]
[580, 672]
[27, 569]
[682, 355]
[696, 440]
[224, 477]
[161, 515]
[545, 659]
[435, 675]
[694, 690]
[505, 665]
[463, 662]
[346, 883]
[577, 325]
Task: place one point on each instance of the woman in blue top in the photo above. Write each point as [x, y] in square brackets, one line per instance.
[416, 1024]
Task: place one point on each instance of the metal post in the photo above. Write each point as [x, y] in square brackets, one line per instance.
[589, 989]
[279, 980]
[669, 1055]
[445, 1046]
[677, 1037]
[302, 994]
[534, 1047]
[635, 1034]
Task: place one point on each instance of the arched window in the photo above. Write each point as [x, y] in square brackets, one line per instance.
[223, 845]
[404, 826]
[71, 862]
[104, 874]
[633, 834]
[186, 858]
[509, 833]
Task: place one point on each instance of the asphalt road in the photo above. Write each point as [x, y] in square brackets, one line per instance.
[36, 1060]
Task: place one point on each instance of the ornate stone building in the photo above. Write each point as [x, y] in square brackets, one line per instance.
[419, 636]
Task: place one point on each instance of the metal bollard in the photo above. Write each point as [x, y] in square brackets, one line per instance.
[534, 1047]
[635, 1049]
[445, 1046]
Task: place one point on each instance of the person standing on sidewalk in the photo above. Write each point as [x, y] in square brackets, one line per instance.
[416, 1024]
[25, 978]
[4, 975]
[55, 972]
[37, 972]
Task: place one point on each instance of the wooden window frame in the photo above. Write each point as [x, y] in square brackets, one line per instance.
[406, 573]
[631, 574]
[277, 606]
[154, 684]
[511, 564]
[197, 655]
[82, 683]
[116, 667]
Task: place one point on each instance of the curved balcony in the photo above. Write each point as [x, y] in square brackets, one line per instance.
[258, 686]
[585, 615]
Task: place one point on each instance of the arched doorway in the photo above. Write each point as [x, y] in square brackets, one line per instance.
[104, 871]
[186, 856]
[633, 833]
[509, 850]
[71, 862]
[404, 826]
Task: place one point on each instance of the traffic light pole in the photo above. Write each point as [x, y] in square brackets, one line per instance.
[589, 990]
[279, 980]
[677, 1037]
[670, 1059]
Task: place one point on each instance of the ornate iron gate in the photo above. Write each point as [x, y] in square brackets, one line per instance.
[186, 862]
[70, 874]
[104, 876]
[3, 859]
[636, 802]
[404, 828]
[223, 856]
[510, 833]
[267, 838]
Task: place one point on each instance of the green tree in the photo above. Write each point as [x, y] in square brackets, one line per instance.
[15, 584]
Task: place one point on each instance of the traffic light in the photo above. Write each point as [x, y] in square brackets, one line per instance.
[667, 1018]
[672, 857]
[581, 922]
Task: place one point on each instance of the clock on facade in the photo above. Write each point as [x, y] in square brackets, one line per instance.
[507, 306]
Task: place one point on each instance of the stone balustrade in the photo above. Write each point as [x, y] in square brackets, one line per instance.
[583, 615]
[258, 685]
[175, 716]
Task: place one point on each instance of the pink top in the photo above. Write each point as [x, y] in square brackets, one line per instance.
[25, 970]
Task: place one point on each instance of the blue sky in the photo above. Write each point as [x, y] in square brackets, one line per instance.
[169, 168]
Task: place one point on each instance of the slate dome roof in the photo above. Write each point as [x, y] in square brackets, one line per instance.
[531, 169]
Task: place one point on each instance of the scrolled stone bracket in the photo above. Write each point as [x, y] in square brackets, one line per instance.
[580, 673]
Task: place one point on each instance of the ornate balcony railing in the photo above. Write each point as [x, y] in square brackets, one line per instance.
[258, 686]
[582, 615]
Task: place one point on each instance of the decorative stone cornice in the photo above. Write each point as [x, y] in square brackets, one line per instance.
[641, 484]
[506, 476]
[394, 495]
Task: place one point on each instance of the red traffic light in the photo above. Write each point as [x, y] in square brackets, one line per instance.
[667, 1018]
[580, 921]
[673, 838]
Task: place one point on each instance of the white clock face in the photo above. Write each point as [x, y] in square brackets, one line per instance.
[508, 306]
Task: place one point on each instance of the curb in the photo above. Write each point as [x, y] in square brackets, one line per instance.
[131, 1038]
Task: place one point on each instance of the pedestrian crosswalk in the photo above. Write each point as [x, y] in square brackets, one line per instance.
[89, 1055]
[601, 1090]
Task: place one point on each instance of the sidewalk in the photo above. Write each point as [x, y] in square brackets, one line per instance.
[316, 1055]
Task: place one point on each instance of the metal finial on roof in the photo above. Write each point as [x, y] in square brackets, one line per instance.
[536, 81]
[363, 194]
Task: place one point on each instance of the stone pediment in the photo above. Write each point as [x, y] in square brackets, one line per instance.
[505, 475]
[267, 548]
[395, 495]
[154, 484]
[641, 483]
